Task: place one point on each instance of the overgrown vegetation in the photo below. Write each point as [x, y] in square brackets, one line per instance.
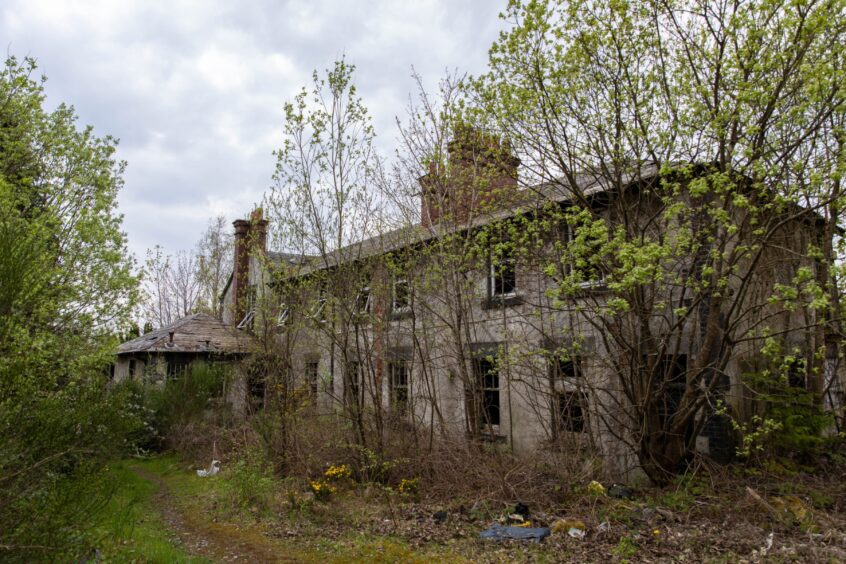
[65, 289]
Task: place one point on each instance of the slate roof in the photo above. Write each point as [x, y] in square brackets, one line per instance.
[198, 333]
[589, 184]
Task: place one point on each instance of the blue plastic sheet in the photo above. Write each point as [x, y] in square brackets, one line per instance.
[501, 532]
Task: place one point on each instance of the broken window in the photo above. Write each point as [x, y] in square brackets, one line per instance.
[563, 367]
[353, 381]
[176, 369]
[319, 311]
[503, 277]
[256, 388]
[571, 412]
[362, 301]
[401, 301]
[311, 376]
[398, 386]
[282, 317]
[249, 317]
[487, 382]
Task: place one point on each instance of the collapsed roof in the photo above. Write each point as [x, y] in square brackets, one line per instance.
[198, 333]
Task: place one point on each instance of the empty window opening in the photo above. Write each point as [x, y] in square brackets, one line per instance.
[399, 386]
[319, 311]
[176, 369]
[256, 389]
[362, 301]
[282, 317]
[487, 381]
[353, 381]
[571, 412]
[311, 374]
[564, 368]
[503, 278]
[401, 296]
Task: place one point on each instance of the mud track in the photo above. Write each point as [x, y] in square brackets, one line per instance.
[218, 542]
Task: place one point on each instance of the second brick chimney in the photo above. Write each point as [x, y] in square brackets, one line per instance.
[250, 240]
[481, 175]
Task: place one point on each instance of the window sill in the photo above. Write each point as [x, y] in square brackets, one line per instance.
[597, 286]
[497, 302]
[494, 437]
[399, 315]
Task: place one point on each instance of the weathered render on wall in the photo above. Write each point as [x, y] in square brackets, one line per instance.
[426, 324]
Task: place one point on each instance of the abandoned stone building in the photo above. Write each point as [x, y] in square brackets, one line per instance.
[171, 350]
[446, 326]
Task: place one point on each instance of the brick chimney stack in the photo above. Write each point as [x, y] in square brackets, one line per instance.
[241, 269]
[258, 232]
[481, 174]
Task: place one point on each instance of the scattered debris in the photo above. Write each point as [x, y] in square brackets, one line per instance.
[573, 527]
[619, 491]
[595, 488]
[577, 533]
[439, 516]
[500, 532]
[785, 509]
[792, 506]
[604, 527]
[212, 470]
[522, 509]
[768, 544]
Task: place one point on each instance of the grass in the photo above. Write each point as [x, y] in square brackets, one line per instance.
[131, 529]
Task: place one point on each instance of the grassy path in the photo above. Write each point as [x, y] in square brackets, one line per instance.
[218, 542]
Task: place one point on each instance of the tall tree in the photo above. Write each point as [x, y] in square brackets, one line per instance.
[323, 200]
[214, 262]
[66, 287]
[738, 106]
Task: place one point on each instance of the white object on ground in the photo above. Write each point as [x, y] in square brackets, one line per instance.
[213, 469]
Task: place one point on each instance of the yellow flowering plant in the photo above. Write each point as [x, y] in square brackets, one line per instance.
[337, 472]
[321, 490]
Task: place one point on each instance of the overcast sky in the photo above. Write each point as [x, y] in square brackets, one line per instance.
[194, 89]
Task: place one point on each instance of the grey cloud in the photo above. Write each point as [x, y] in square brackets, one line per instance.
[194, 89]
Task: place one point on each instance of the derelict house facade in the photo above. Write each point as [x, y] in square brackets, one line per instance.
[447, 326]
[170, 351]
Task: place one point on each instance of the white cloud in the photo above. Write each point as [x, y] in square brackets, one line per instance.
[194, 88]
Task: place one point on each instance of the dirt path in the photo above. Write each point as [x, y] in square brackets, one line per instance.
[219, 542]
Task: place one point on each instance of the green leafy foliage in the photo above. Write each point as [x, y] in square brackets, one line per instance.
[176, 402]
[65, 289]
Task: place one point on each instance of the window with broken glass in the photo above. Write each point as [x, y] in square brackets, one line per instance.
[502, 280]
[352, 377]
[571, 412]
[401, 296]
[399, 386]
[311, 377]
[177, 368]
[283, 317]
[362, 301]
[249, 317]
[319, 311]
[568, 405]
[487, 382]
